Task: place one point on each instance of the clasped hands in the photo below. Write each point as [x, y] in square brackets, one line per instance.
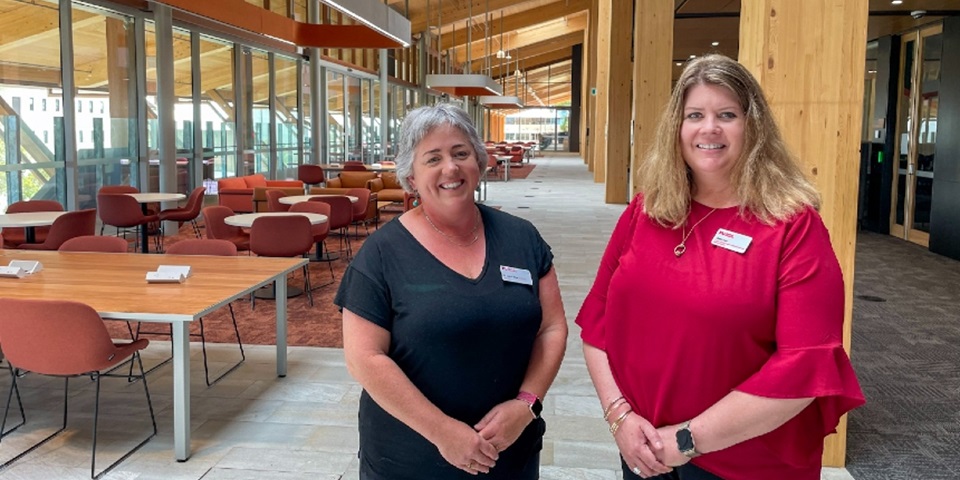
[648, 451]
[476, 450]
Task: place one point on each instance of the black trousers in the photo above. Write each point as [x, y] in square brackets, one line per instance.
[687, 471]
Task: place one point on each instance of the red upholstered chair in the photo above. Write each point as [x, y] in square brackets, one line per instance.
[362, 213]
[217, 229]
[127, 189]
[123, 212]
[95, 243]
[14, 236]
[187, 213]
[320, 230]
[283, 236]
[66, 339]
[311, 174]
[408, 201]
[65, 227]
[222, 248]
[273, 201]
[354, 166]
[341, 215]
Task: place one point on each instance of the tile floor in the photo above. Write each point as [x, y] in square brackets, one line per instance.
[254, 425]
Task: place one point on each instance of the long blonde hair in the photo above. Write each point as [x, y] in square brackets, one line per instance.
[766, 178]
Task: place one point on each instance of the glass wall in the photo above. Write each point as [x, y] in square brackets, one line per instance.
[336, 134]
[183, 110]
[31, 104]
[257, 105]
[218, 116]
[288, 135]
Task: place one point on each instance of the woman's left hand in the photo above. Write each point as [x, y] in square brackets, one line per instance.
[670, 453]
[504, 423]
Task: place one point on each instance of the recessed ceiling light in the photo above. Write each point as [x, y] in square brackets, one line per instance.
[715, 44]
[896, 2]
[693, 56]
[679, 64]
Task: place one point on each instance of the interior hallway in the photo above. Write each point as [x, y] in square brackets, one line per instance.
[255, 425]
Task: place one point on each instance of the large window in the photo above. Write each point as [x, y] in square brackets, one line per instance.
[336, 136]
[31, 102]
[218, 110]
[288, 141]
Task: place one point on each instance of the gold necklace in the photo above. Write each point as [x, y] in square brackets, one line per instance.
[475, 231]
[682, 247]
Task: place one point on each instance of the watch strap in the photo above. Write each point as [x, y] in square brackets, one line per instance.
[532, 401]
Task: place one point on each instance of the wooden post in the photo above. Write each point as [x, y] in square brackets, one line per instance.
[808, 56]
[652, 75]
[614, 84]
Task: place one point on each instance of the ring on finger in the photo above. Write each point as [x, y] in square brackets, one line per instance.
[636, 471]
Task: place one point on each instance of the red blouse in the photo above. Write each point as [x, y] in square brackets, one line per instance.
[681, 333]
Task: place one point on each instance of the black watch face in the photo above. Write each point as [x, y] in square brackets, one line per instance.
[684, 440]
[536, 408]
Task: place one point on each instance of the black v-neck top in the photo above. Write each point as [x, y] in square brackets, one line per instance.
[464, 343]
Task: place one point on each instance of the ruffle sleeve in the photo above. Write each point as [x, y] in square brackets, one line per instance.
[809, 360]
[591, 317]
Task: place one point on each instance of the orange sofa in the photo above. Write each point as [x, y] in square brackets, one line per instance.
[238, 192]
[392, 191]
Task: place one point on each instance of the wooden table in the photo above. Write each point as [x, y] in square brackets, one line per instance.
[143, 199]
[28, 221]
[114, 285]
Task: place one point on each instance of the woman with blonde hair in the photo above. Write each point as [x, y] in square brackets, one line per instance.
[713, 331]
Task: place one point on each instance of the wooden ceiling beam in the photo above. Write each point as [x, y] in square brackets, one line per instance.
[529, 53]
[514, 22]
[538, 35]
[533, 62]
[453, 11]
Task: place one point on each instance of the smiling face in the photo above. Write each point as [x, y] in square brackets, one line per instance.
[445, 169]
[712, 133]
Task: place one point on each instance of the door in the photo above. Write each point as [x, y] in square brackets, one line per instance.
[916, 134]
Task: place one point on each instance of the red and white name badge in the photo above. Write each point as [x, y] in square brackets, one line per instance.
[733, 241]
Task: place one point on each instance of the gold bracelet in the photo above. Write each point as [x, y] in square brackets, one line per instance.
[612, 405]
[616, 423]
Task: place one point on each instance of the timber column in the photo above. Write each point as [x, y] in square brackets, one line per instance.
[808, 56]
[611, 147]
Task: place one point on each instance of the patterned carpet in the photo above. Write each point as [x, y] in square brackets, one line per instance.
[906, 351]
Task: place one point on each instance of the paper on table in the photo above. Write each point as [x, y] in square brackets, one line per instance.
[13, 272]
[164, 277]
[174, 269]
[30, 266]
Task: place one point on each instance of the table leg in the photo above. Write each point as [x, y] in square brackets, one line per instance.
[30, 234]
[181, 391]
[281, 285]
[506, 171]
[144, 231]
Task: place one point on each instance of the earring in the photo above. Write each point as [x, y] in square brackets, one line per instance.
[416, 198]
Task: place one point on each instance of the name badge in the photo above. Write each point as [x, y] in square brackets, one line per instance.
[515, 275]
[732, 241]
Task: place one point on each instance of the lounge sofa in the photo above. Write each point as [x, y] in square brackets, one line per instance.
[392, 191]
[238, 192]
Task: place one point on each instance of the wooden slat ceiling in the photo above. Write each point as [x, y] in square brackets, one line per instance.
[538, 35]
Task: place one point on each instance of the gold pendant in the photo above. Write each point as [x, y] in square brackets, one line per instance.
[679, 249]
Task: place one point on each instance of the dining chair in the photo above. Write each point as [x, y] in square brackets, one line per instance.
[341, 215]
[66, 339]
[212, 247]
[217, 228]
[311, 175]
[124, 212]
[273, 201]
[319, 231]
[187, 213]
[14, 236]
[95, 243]
[118, 189]
[66, 226]
[354, 166]
[283, 236]
[362, 213]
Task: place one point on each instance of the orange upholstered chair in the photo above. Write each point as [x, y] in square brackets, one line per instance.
[311, 174]
[222, 248]
[320, 230]
[187, 213]
[66, 339]
[14, 236]
[65, 227]
[95, 243]
[362, 213]
[217, 229]
[283, 236]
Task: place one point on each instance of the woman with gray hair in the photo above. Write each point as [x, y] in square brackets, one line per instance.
[452, 321]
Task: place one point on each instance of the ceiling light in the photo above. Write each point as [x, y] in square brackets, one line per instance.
[896, 2]
[693, 56]
[715, 44]
[679, 64]
[377, 16]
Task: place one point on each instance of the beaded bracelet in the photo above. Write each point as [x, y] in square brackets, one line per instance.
[613, 405]
[616, 423]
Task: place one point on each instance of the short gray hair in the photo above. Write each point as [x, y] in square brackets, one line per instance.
[420, 122]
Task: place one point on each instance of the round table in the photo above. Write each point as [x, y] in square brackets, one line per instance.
[245, 220]
[505, 160]
[143, 199]
[292, 199]
[27, 221]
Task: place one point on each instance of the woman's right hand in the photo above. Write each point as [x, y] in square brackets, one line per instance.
[640, 445]
[464, 448]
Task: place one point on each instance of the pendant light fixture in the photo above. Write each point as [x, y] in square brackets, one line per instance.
[501, 101]
[463, 84]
